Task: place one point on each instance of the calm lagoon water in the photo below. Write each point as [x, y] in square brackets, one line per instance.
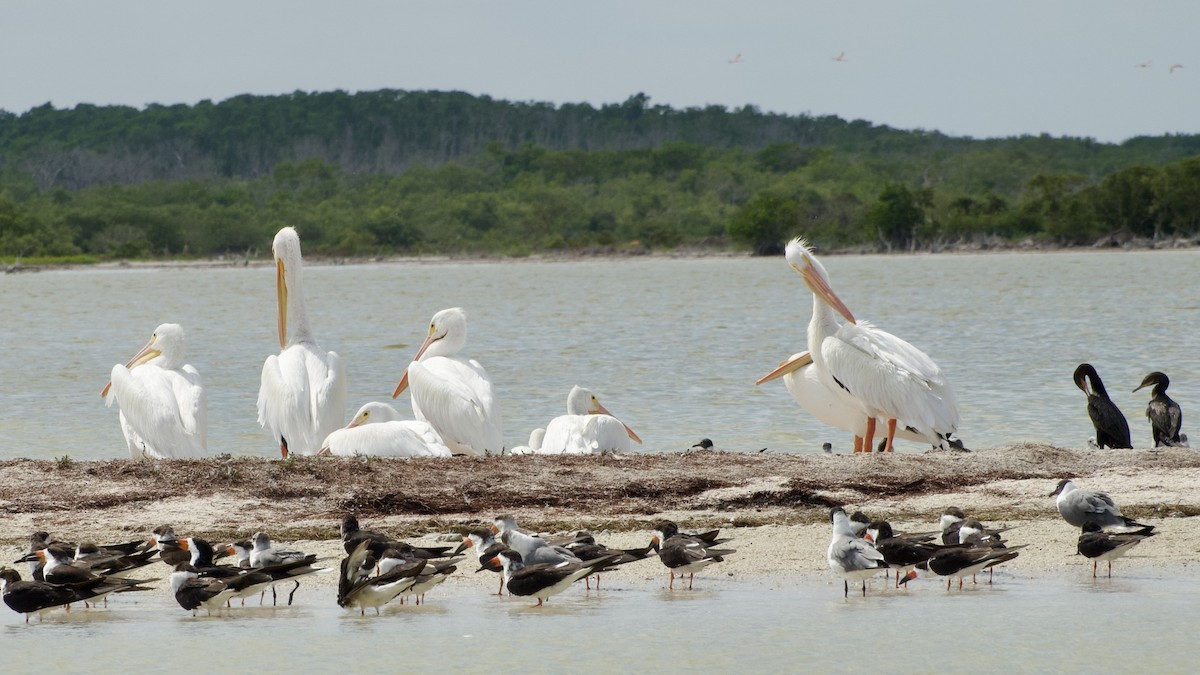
[672, 346]
[1062, 624]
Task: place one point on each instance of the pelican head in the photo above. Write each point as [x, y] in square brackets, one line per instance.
[801, 258]
[374, 412]
[286, 250]
[447, 335]
[583, 402]
[166, 342]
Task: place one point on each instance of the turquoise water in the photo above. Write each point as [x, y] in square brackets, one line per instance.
[672, 346]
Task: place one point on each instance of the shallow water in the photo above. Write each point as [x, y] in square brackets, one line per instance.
[1135, 623]
[672, 346]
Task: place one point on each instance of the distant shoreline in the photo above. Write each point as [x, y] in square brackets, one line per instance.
[683, 252]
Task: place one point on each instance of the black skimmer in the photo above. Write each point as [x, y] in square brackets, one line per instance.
[486, 547]
[380, 542]
[685, 553]
[244, 582]
[544, 580]
[949, 523]
[356, 588]
[37, 541]
[849, 556]
[29, 597]
[1164, 414]
[900, 552]
[1078, 506]
[240, 550]
[961, 561]
[1112, 431]
[1096, 544]
[433, 573]
[57, 567]
[859, 522]
[193, 591]
[585, 547]
[164, 540]
[109, 561]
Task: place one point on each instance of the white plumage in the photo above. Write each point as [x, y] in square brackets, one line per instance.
[804, 384]
[535, 443]
[163, 407]
[587, 428]
[377, 430]
[302, 398]
[878, 372]
[451, 392]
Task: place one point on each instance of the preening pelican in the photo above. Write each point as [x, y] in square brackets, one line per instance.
[587, 428]
[880, 373]
[802, 382]
[378, 431]
[1112, 431]
[303, 394]
[451, 392]
[164, 412]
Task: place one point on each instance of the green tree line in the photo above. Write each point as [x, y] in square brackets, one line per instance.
[383, 172]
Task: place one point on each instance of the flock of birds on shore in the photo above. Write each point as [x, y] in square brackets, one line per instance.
[853, 376]
[378, 568]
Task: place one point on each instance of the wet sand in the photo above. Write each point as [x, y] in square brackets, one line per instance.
[775, 507]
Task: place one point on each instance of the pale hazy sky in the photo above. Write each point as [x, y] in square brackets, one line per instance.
[981, 69]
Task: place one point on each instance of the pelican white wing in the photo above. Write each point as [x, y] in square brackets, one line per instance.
[584, 435]
[455, 396]
[166, 410]
[804, 383]
[302, 396]
[892, 378]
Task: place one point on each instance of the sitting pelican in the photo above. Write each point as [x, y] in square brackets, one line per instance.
[1112, 431]
[302, 398]
[871, 369]
[535, 443]
[1164, 414]
[378, 431]
[587, 428]
[164, 411]
[451, 392]
[803, 383]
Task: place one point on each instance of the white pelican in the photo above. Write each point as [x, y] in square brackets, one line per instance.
[802, 382]
[378, 431]
[535, 443]
[164, 411]
[303, 394]
[586, 429]
[451, 392]
[882, 374]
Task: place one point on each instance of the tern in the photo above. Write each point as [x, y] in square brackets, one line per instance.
[1079, 506]
[849, 556]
